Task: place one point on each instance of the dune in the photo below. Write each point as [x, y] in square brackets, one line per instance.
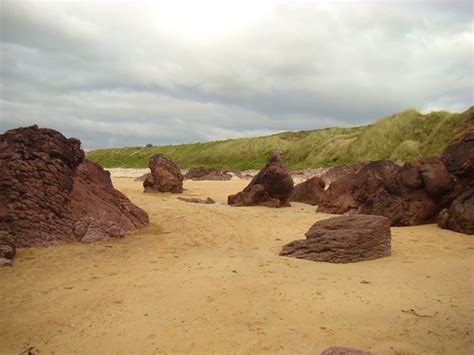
[208, 279]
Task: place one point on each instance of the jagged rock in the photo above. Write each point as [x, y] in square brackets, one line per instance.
[349, 192]
[212, 174]
[459, 217]
[337, 350]
[165, 175]
[271, 187]
[46, 187]
[309, 191]
[344, 239]
[207, 201]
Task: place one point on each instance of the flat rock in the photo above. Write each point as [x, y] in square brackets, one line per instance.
[344, 239]
[165, 175]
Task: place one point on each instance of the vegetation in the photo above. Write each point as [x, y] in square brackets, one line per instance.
[401, 137]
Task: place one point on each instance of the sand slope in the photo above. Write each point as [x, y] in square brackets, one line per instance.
[208, 279]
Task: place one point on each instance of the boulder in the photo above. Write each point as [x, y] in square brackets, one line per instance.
[337, 350]
[165, 175]
[271, 187]
[344, 239]
[309, 191]
[349, 192]
[459, 217]
[338, 172]
[46, 187]
[202, 173]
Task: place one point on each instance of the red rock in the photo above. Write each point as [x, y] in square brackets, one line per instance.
[337, 350]
[309, 191]
[459, 217]
[344, 239]
[46, 187]
[271, 187]
[338, 172]
[459, 156]
[165, 175]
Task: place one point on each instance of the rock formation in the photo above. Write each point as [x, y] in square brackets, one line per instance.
[310, 191]
[165, 175]
[271, 187]
[338, 172]
[49, 194]
[459, 217]
[344, 239]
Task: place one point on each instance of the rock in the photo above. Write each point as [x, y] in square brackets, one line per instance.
[459, 217]
[46, 187]
[212, 174]
[165, 175]
[337, 350]
[459, 156]
[344, 239]
[338, 172]
[207, 201]
[7, 249]
[349, 192]
[271, 187]
[309, 191]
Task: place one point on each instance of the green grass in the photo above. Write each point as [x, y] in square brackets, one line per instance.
[400, 137]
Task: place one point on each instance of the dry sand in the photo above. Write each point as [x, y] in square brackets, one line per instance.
[208, 279]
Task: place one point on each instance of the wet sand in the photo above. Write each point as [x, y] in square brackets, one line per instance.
[208, 279]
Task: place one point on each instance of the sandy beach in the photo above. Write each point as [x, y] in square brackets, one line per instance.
[208, 279]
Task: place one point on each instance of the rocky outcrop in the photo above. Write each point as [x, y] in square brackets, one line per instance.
[47, 188]
[210, 174]
[341, 171]
[7, 249]
[310, 191]
[207, 201]
[349, 192]
[165, 175]
[344, 239]
[337, 350]
[459, 217]
[271, 187]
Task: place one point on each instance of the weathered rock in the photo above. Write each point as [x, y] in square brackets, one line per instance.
[46, 187]
[165, 175]
[7, 249]
[271, 187]
[341, 171]
[459, 156]
[309, 191]
[337, 350]
[207, 201]
[344, 239]
[459, 216]
[349, 192]
[212, 174]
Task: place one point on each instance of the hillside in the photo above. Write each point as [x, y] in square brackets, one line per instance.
[400, 137]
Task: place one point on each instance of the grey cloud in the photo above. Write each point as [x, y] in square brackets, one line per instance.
[115, 74]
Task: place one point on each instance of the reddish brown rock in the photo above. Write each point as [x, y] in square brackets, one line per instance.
[309, 191]
[341, 171]
[459, 217]
[211, 174]
[47, 187]
[348, 193]
[207, 201]
[459, 156]
[165, 175]
[337, 350]
[271, 187]
[344, 239]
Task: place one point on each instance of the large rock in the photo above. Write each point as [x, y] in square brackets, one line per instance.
[344, 239]
[47, 188]
[165, 175]
[459, 216]
[341, 171]
[310, 191]
[271, 187]
[349, 192]
[459, 156]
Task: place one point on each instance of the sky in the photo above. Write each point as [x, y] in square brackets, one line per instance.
[129, 73]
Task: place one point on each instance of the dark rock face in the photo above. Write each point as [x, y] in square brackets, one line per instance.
[459, 157]
[212, 174]
[348, 193]
[336, 350]
[165, 175]
[207, 201]
[271, 187]
[339, 172]
[344, 239]
[459, 217]
[7, 249]
[310, 191]
[46, 187]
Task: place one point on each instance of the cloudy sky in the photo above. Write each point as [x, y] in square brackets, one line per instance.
[134, 72]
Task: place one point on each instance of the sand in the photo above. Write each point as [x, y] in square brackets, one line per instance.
[208, 279]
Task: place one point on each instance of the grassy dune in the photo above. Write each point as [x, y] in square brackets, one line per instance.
[400, 137]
